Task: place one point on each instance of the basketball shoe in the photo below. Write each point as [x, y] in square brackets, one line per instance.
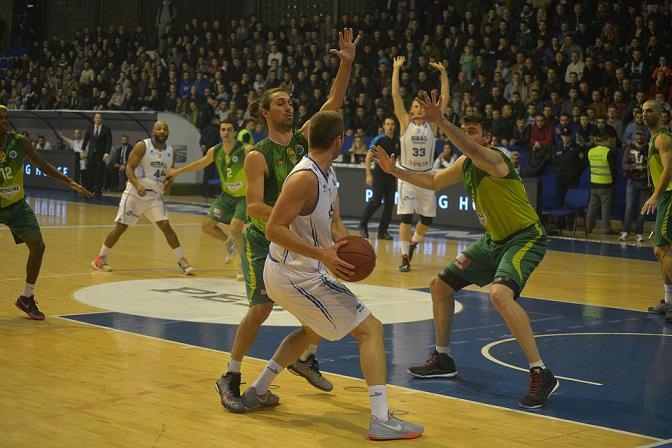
[542, 385]
[253, 401]
[100, 264]
[230, 250]
[228, 387]
[29, 306]
[185, 267]
[661, 307]
[405, 264]
[310, 370]
[393, 428]
[438, 365]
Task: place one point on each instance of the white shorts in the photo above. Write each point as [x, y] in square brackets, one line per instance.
[316, 299]
[414, 199]
[132, 206]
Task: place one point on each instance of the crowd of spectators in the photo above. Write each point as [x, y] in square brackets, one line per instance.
[532, 71]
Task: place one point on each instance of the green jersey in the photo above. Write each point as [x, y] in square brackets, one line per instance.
[502, 205]
[280, 160]
[655, 165]
[230, 169]
[12, 157]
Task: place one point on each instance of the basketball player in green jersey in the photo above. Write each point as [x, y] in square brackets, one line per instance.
[266, 168]
[513, 245]
[660, 165]
[15, 213]
[230, 207]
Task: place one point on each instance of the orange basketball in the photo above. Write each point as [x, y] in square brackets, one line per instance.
[359, 253]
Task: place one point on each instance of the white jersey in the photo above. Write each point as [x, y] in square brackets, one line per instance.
[315, 228]
[151, 171]
[417, 147]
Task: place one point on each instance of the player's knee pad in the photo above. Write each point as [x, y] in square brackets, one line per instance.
[427, 220]
[509, 283]
[407, 219]
[453, 280]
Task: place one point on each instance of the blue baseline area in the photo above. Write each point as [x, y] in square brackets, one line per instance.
[626, 352]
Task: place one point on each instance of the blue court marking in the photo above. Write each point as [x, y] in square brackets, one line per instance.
[613, 364]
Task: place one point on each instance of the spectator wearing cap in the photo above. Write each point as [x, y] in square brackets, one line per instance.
[637, 189]
[570, 161]
[602, 161]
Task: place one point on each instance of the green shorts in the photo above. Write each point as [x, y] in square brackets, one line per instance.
[20, 219]
[663, 229]
[255, 250]
[227, 207]
[485, 260]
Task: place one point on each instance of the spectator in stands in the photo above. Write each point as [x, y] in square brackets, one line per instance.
[76, 144]
[637, 190]
[42, 144]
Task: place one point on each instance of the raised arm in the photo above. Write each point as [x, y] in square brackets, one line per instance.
[399, 107]
[348, 49]
[485, 159]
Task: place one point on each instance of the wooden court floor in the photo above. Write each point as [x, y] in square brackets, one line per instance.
[69, 384]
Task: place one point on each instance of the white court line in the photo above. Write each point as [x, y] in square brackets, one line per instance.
[485, 351]
[407, 390]
[111, 226]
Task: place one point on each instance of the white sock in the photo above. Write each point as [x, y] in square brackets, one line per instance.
[234, 366]
[179, 253]
[378, 399]
[417, 237]
[668, 293]
[266, 377]
[404, 247]
[446, 349]
[104, 250]
[311, 350]
[539, 364]
[28, 289]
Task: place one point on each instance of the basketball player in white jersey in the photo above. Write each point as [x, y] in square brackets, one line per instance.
[146, 170]
[302, 228]
[418, 143]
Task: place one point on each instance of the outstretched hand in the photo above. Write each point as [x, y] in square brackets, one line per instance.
[79, 189]
[431, 106]
[383, 159]
[340, 268]
[347, 44]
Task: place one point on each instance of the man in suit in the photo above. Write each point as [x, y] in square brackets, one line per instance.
[124, 151]
[98, 141]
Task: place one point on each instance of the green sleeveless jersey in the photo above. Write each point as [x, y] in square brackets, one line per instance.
[230, 169]
[12, 157]
[655, 165]
[280, 160]
[502, 205]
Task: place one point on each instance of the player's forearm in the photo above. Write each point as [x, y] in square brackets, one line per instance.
[339, 87]
[420, 179]
[338, 229]
[259, 210]
[284, 237]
